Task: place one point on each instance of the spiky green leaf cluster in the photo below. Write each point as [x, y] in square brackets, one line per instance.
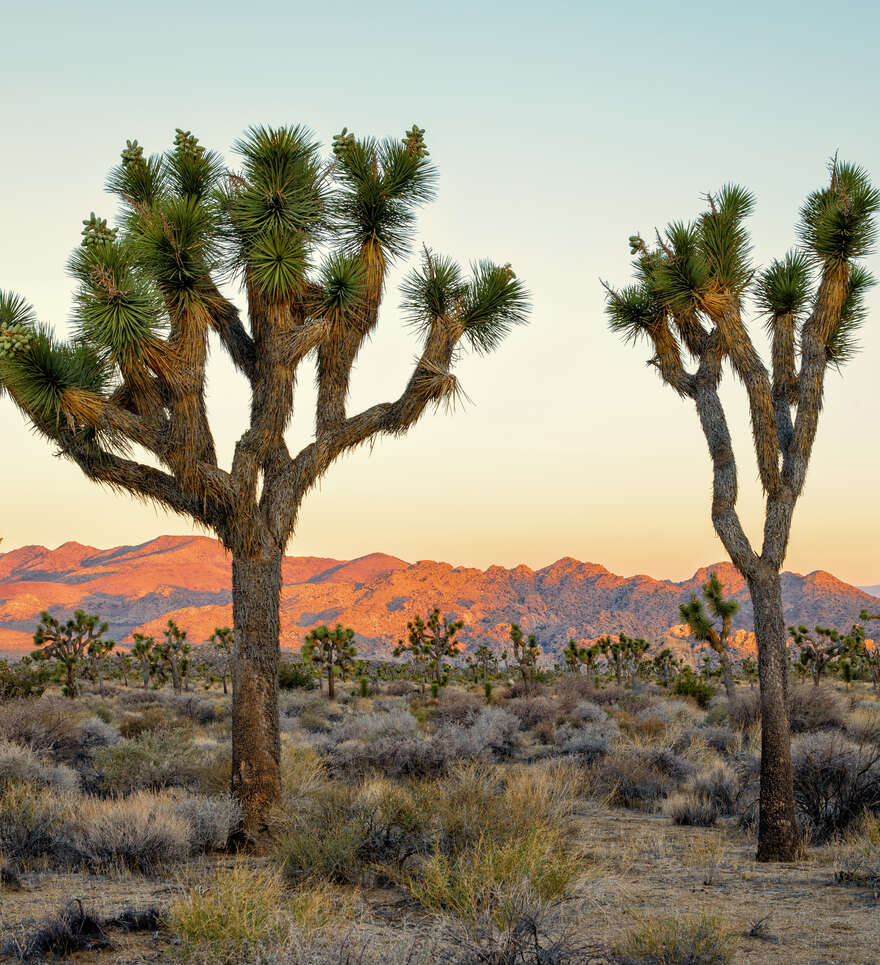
[842, 345]
[382, 185]
[116, 308]
[342, 284]
[784, 288]
[488, 304]
[192, 171]
[837, 222]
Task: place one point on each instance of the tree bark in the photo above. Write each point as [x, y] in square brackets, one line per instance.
[256, 744]
[778, 835]
[727, 675]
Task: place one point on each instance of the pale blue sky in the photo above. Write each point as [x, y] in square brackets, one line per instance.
[558, 130]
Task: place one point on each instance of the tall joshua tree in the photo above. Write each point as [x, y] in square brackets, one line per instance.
[704, 629]
[311, 241]
[688, 301]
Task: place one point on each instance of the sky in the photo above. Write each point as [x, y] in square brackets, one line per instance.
[558, 129]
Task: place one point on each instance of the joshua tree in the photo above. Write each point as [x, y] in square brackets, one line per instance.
[171, 657]
[574, 655]
[223, 640]
[148, 298]
[526, 651]
[858, 644]
[123, 662]
[688, 301]
[68, 644]
[331, 651]
[704, 630]
[433, 641]
[666, 666]
[142, 651]
[97, 652]
[623, 655]
[817, 650]
[484, 662]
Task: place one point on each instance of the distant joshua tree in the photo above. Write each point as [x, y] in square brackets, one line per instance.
[223, 641]
[68, 644]
[688, 302]
[142, 652]
[331, 651]
[170, 657]
[148, 298]
[703, 629]
[526, 651]
[431, 642]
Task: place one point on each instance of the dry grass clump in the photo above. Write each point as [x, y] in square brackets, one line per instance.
[246, 914]
[863, 723]
[20, 763]
[689, 809]
[707, 940]
[153, 760]
[144, 832]
[857, 855]
[811, 708]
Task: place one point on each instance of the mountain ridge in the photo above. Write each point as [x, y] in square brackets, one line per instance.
[188, 578]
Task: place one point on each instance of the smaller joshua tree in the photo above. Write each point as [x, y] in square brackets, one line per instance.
[332, 651]
[666, 666]
[574, 655]
[67, 644]
[142, 652]
[526, 651]
[97, 652]
[484, 663]
[223, 641]
[623, 655]
[123, 662]
[171, 657]
[430, 643]
[704, 629]
[858, 644]
[819, 649]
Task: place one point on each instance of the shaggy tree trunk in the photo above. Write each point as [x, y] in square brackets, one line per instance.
[256, 745]
[778, 837]
[727, 675]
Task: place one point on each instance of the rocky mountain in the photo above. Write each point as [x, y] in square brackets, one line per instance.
[188, 579]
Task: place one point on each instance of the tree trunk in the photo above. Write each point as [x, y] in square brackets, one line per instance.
[331, 683]
[778, 836]
[256, 743]
[727, 675]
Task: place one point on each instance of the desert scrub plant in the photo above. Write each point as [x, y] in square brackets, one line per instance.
[19, 679]
[236, 916]
[34, 823]
[154, 759]
[857, 854]
[630, 778]
[486, 881]
[689, 809]
[18, 763]
[707, 940]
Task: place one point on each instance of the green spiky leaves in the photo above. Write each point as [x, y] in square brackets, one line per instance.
[842, 345]
[383, 183]
[632, 312]
[193, 172]
[487, 305]
[343, 280]
[117, 310]
[837, 222]
[277, 262]
[784, 288]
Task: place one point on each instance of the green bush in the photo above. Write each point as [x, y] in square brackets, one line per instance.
[688, 684]
[19, 680]
[294, 675]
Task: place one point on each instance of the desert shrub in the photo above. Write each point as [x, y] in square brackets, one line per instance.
[18, 680]
[210, 821]
[586, 712]
[628, 779]
[532, 711]
[236, 916]
[18, 763]
[816, 708]
[722, 740]
[857, 855]
[303, 773]
[545, 732]
[718, 711]
[140, 832]
[707, 940]
[810, 708]
[863, 723]
[667, 762]
[295, 675]
[47, 725]
[34, 822]
[718, 787]
[153, 760]
[492, 734]
[490, 880]
[835, 782]
[457, 707]
[191, 707]
[400, 688]
[689, 809]
[591, 742]
[150, 718]
[688, 684]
